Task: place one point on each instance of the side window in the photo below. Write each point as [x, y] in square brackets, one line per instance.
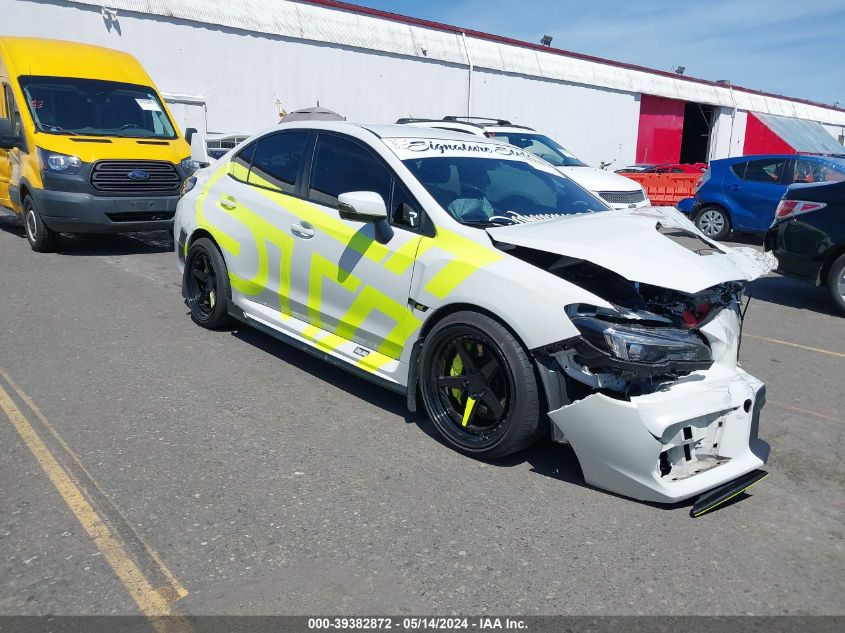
[276, 160]
[9, 109]
[815, 171]
[239, 167]
[768, 170]
[404, 210]
[342, 165]
[739, 170]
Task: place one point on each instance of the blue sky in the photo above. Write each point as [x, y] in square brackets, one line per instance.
[790, 47]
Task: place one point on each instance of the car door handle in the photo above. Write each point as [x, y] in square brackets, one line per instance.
[734, 187]
[228, 202]
[304, 230]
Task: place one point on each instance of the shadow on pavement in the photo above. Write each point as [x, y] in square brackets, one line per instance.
[744, 239]
[791, 293]
[11, 225]
[97, 244]
[545, 458]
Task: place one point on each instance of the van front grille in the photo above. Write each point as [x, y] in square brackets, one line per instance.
[135, 177]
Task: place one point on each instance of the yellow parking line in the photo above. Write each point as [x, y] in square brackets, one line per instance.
[176, 590]
[149, 600]
[816, 414]
[787, 343]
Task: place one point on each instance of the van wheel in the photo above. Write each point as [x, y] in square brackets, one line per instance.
[478, 386]
[207, 289]
[41, 238]
[836, 283]
[714, 222]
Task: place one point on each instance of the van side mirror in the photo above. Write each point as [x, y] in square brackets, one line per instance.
[8, 138]
[189, 134]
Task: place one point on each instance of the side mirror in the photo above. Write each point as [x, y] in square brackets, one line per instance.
[8, 138]
[362, 206]
[189, 134]
[199, 148]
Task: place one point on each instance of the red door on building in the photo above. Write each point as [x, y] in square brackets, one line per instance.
[661, 130]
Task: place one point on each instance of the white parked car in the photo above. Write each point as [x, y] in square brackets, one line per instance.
[617, 191]
[513, 301]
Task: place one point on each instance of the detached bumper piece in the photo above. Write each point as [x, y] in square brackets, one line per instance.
[693, 436]
[713, 499]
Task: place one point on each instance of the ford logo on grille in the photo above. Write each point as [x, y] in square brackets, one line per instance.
[138, 174]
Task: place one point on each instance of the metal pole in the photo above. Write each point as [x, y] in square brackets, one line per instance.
[469, 76]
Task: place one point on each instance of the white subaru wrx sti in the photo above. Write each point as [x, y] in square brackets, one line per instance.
[511, 300]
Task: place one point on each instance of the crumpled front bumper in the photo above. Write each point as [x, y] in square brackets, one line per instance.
[670, 445]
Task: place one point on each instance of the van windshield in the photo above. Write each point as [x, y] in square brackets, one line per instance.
[91, 107]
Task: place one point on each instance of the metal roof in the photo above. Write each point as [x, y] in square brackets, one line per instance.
[802, 136]
[350, 25]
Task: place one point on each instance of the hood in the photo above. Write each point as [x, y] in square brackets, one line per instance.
[94, 148]
[598, 179]
[655, 245]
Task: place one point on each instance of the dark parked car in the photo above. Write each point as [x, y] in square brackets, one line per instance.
[808, 236]
[742, 193]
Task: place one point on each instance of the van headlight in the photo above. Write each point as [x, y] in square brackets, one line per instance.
[189, 165]
[187, 185]
[59, 163]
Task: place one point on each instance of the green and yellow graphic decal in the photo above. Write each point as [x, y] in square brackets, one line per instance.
[464, 258]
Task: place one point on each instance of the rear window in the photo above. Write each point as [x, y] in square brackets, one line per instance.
[766, 170]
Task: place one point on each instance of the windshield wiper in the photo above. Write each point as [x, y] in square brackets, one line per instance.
[56, 128]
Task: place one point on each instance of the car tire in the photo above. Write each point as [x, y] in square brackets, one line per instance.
[41, 238]
[836, 283]
[467, 356]
[206, 283]
[714, 222]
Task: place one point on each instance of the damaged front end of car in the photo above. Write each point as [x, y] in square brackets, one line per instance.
[649, 394]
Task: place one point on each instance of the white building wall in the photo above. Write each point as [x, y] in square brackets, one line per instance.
[241, 76]
[595, 124]
[728, 136]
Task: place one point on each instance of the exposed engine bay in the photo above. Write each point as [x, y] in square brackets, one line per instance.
[646, 385]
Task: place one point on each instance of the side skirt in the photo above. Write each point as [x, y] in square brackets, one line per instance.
[238, 314]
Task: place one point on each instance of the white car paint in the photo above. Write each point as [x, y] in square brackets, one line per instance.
[618, 440]
[602, 182]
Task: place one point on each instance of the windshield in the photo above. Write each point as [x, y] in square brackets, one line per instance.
[488, 191]
[541, 145]
[64, 105]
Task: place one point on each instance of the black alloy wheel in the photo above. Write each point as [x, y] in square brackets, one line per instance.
[207, 288]
[478, 386]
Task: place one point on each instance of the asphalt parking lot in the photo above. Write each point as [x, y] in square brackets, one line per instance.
[226, 473]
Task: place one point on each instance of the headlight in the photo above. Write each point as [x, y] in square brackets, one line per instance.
[189, 165]
[187, 185]
[644, 345]
[59, 163]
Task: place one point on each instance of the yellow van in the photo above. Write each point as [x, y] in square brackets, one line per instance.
[87, 144]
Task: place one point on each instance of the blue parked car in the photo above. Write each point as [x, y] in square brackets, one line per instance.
[742, 193]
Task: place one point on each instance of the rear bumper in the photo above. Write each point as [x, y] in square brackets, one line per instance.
[803, 264]
[76, 212]
[667, 446]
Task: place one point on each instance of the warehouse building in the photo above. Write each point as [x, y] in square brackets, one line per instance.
[229, 68]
